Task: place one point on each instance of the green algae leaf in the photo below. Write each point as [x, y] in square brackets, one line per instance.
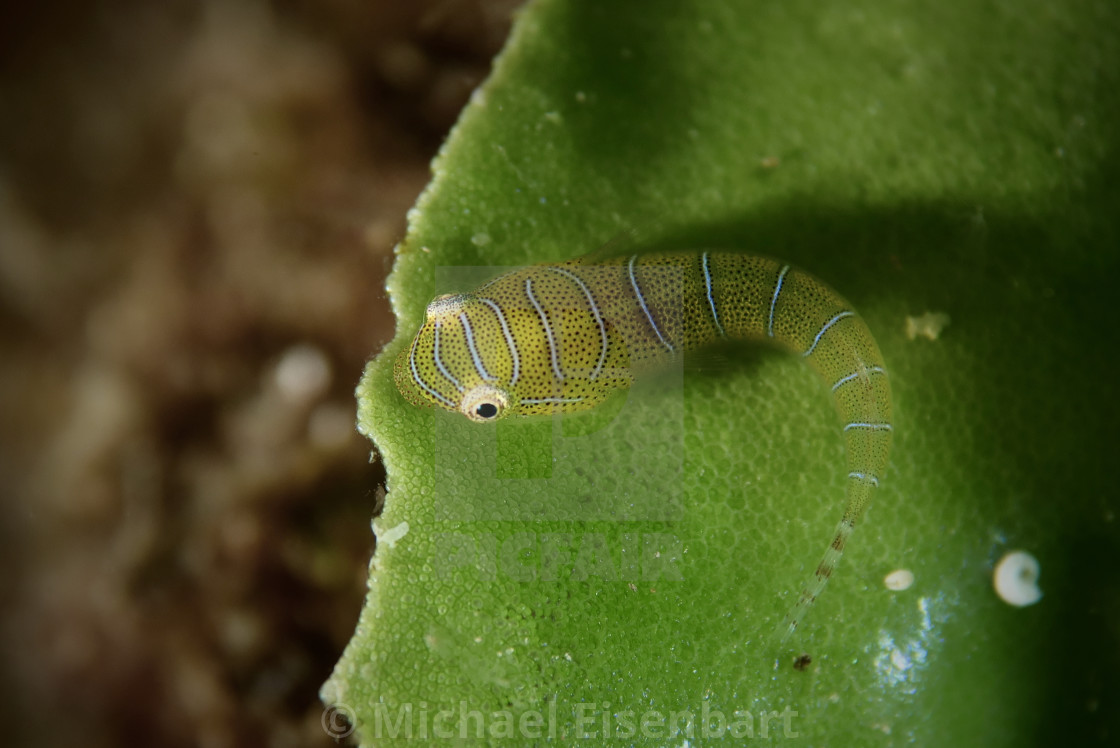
[616, 579]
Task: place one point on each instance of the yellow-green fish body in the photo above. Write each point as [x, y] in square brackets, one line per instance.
[563, 337]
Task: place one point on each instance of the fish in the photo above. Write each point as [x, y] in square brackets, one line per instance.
[557, 338]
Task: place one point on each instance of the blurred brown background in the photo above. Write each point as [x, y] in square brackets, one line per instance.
[198, 204]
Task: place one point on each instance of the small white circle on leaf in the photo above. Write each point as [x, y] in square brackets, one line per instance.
[1016, 579]
[899, 580]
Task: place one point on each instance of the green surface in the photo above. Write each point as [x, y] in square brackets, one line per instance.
[957, 157]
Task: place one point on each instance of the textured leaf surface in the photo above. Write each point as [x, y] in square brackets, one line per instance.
[957, 158]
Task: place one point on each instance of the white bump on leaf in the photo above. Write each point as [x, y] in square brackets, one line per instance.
[928, 325]
[899, 580]
[389, 537]
[1016, 579]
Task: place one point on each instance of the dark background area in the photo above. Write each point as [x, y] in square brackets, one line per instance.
[198, 205]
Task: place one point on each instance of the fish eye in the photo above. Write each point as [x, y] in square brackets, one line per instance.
[484, 403]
